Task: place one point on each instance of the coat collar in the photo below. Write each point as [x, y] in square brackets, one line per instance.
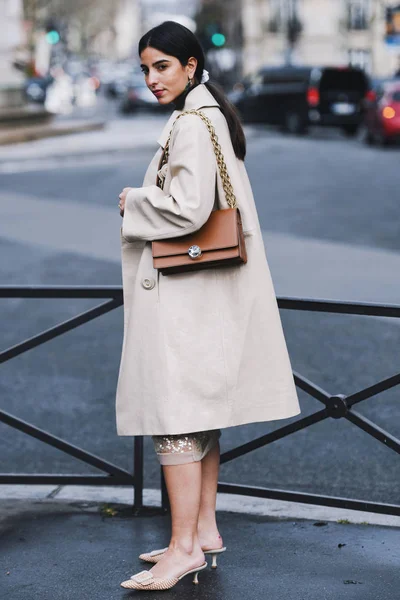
[198, 98]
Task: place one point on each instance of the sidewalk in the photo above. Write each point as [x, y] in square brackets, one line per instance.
[76, 546]
[26, 133]
[117, 136]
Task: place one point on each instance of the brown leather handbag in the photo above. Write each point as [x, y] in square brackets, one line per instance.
[219, 242]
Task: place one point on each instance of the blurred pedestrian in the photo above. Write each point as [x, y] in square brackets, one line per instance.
[85, 92]
[60, 93]
[202, 350]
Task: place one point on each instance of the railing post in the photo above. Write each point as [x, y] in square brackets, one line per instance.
[164, 494]
[138, 473]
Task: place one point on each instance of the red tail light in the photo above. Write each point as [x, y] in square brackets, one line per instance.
[370, 96]
[313, 96]
[388, 112]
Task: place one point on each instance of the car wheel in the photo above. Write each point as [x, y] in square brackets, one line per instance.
[385, 141]
[369, 138]
[382, 140]
[125, 108]
[350, 130]
[295, 123]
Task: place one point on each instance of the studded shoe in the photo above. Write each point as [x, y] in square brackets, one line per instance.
[145, 580]
[154, 556]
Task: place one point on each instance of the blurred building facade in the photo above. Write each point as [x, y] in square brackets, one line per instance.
[155, 12]
[84, 27]
[119, 37]
[313, 32]
[11, 36]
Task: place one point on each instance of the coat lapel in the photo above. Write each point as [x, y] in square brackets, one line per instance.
[198, 98]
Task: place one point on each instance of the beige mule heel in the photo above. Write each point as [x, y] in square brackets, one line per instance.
[145, 580]
[214, 554]
[156, 555]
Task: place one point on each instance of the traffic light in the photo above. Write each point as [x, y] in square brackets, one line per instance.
[214, 36]
[52, 33]
[218, 39]
[53, 37]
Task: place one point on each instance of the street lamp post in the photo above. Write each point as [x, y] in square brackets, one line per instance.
[292, 28]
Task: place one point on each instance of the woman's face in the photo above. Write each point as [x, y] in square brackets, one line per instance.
[164, 74]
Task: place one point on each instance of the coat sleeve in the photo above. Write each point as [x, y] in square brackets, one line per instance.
[151, 213]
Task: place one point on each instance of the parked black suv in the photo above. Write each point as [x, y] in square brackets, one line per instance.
[295, 97]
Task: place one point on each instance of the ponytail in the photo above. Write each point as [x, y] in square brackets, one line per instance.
[232, 118]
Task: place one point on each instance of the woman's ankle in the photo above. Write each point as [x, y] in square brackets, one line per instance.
[210, 537]
[189, 545]
[207, 525]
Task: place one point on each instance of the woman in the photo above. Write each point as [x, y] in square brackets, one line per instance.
[202, 350]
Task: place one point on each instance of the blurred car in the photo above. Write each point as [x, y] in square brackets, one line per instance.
[382, 117]
[35, 88]
[138, 97]
[120, 79]
[116, 87]
[295, 97]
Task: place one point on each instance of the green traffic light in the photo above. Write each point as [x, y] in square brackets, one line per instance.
[218, 39]
[53, 37]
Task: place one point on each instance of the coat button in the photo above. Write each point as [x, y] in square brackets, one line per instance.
[148, 284]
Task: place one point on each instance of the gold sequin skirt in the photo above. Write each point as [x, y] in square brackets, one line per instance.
[186, 447]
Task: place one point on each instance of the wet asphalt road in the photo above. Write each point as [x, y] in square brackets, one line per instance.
[55, 551]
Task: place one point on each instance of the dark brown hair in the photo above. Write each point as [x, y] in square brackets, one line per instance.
[176, 40]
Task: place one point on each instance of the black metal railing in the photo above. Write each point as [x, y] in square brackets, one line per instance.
[334, 406]
[113, 475]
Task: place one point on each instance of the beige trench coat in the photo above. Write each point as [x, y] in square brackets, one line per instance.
[201, 350]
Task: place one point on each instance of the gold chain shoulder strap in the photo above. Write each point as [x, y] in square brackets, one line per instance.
[226, 182]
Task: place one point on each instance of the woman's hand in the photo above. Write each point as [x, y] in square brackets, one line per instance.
[122, 198]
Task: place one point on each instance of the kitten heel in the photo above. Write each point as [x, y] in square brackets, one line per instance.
[214, 554]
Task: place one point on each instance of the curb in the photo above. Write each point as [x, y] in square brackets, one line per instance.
[28, 114]
[234, 503]
[37, 132]
[111, 145]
